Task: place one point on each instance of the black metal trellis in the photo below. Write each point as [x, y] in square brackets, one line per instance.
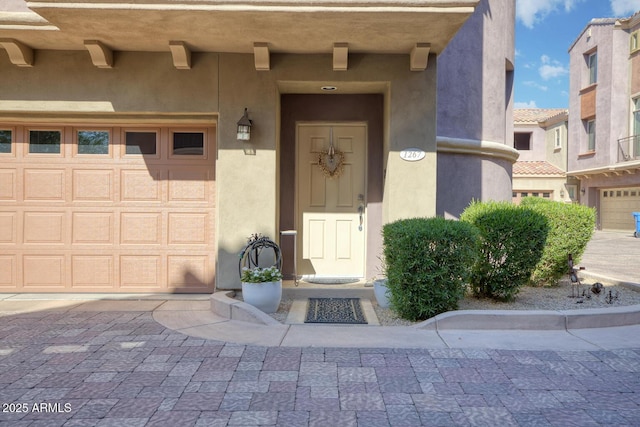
[250, 254]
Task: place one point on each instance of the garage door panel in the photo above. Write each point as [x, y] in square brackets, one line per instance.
[94, 228]
[44, 227]
[140, 271]
[8, 270]
[43, 184]
[93, 185]
[8, 185]
[190, 271]
[8, 227]
[189, 185]
[141, 228]
[92, 271]
[188, 228]
[141, 186]
[44, 271]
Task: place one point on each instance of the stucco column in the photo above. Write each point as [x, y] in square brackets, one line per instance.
[410, 186]
[245, 171]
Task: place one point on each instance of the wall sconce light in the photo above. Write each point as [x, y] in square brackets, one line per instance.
[562, 193]
[244, 127]
[582, 191]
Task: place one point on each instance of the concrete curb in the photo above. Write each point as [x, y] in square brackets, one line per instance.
[224, 305]
[533, 319]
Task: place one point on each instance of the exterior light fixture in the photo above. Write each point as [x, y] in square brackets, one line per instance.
[562, 193]
[244, 127]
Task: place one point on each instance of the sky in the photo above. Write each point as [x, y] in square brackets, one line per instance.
[545, 29]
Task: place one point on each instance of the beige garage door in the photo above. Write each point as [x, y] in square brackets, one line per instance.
[107, 208]
[616, 205]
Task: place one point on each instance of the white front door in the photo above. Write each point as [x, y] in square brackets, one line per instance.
[331, 205]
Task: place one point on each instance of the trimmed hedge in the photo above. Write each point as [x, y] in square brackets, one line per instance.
[512, 243]
[571, 227]
[427, 264]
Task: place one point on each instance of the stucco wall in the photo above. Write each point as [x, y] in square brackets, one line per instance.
[611, 95]
[140, 82]
[475, 106]
[556, 156]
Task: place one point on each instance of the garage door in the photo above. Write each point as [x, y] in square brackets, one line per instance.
[107, 208]
[616, 205]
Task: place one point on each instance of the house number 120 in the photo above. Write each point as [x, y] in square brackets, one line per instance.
[412, 154]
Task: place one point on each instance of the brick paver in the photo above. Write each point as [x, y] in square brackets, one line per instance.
[124, 369]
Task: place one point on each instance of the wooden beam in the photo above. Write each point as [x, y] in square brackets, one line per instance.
[101, 55]
[420, 56]
[340, 56]
[19, 53]
[261, 56]
[181, 55]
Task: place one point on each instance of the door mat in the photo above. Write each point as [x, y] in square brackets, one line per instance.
[335, 310]
[331, 280]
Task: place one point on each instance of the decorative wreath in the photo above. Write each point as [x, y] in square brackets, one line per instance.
[331, 162]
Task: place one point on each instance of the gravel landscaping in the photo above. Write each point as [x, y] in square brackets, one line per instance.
[529, 298]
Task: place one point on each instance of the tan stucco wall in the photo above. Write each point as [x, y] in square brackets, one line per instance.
[141, 83]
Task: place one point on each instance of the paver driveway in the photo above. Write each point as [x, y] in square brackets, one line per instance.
[90, 368]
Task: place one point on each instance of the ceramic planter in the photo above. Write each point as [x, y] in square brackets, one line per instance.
[382, 292]
[265, 296]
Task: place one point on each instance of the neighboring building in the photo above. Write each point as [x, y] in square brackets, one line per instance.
[540, 136]
[475, 108]
[604, 121]
[120, 169]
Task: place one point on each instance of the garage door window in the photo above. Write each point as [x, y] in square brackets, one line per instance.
[5, 141]
[93, 142]
[188, 143]
[141, 142]
[44, 141]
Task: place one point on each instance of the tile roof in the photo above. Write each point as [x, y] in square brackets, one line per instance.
[535, 115]
[536, 168]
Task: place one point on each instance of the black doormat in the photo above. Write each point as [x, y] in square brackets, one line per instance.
[335, 310]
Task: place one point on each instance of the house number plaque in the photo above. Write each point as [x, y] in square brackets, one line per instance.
[412, 154]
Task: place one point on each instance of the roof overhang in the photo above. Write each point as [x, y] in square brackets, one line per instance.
[625, 168]
[308, 26]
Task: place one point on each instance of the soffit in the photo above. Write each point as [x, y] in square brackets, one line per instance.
[383, 26]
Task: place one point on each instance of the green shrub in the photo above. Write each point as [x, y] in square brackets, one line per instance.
[570, 229]
[427, 264]
[512, 241]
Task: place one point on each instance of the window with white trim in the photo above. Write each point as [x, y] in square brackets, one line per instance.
[592, 64]
[557, 139]
[591, 135]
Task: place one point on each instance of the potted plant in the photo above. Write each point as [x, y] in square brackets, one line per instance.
[262, 287]
[381, 291]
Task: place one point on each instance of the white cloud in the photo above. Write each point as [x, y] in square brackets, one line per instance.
[551, 69]
[530, 12]
[536, 85]
[624, 7]
[530, 104]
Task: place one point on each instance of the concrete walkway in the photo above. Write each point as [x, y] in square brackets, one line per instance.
[84, 361]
